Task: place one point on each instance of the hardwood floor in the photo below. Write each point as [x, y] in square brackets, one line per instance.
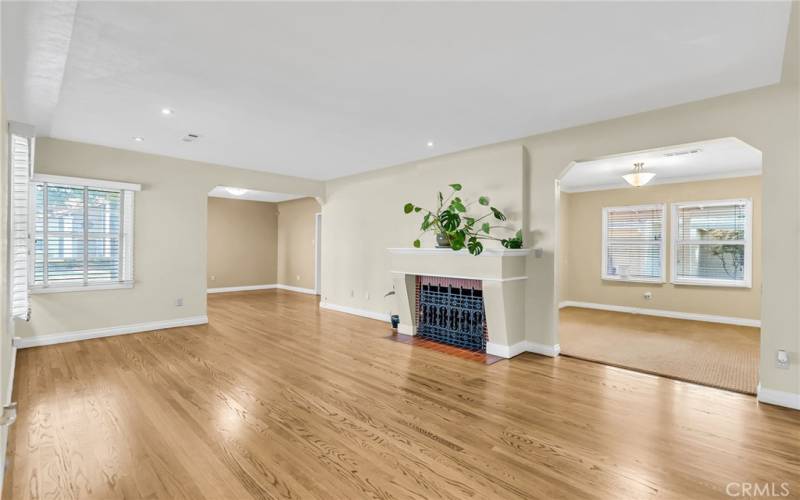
[277, 399]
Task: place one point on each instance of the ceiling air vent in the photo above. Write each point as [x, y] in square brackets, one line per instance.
[683, 153]
[190, 137]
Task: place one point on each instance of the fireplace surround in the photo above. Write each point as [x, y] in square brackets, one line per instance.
[499, 274]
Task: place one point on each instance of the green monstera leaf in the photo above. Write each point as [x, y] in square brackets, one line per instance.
[408, 208]
[456, 187]
[483, 200]
[458, 205]
[498, 214]
[515, 242]
[450, 220]
[416, 243]
[426, 222]
[474, 246]
[486, 227]
[457, 239]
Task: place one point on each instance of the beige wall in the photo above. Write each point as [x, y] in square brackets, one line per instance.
[170, 235]
[365, 211]
[581, 255]
[242, 243]
[363, 216]
[296, 242]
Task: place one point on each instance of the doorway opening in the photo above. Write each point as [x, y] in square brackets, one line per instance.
[659, 262]
[259, 240]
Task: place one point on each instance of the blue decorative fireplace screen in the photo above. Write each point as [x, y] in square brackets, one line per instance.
[450, 311]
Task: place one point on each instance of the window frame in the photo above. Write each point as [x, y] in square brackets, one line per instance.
[662, 253]
[127, 190]
[747, 282]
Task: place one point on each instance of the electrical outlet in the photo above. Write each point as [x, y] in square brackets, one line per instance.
[366, 295]
[179, 302]
[352, 293]
[782, 359]
[648, 295]
[298, 277]
[213, 278]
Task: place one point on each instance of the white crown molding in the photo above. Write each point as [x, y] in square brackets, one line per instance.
[355, 311]
[663, 181]
[728, 320]
[487, 252]
[60, 338]
[779, 398]
[241, 288]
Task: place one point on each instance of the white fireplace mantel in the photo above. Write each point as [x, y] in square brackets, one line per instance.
[487, 252]
[502, 274]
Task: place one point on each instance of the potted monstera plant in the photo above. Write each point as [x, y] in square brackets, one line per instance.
[456, 228]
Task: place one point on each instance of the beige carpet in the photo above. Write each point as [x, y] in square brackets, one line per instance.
[712, 354]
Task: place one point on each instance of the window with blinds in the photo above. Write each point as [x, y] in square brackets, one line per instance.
[633, 243]
[711, 243]
[82, 235]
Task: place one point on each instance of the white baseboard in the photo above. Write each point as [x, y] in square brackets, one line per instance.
[505, 351]
[358, 312]
[95, 333]
[241, 288]
[297, 289]
[544, 349]
[403, 329]
[509, 351]
[247, 288]
[728, 320]
[780, 398]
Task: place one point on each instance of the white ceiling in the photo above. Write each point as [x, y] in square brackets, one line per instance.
[322, 90]
[252, 195]
[717, 159]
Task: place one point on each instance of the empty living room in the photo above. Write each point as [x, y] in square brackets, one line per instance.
[413, 249]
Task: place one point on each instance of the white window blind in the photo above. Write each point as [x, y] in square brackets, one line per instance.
[21, 162]
[82, 235]
[633, 243]
[712, 243]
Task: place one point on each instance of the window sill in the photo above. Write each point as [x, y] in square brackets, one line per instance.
[714, 283]
[657, 281]
[80, 288]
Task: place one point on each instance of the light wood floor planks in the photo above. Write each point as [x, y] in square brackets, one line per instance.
[277, 399]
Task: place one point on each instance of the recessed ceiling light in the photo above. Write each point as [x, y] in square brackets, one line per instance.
[138, 139]
[430, 144]
[167, 111]
[236, 191]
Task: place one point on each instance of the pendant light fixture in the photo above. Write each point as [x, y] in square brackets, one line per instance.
[638, 177]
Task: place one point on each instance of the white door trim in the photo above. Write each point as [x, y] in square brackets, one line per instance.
[318, 253]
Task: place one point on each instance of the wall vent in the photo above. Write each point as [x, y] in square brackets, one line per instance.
[683, 153]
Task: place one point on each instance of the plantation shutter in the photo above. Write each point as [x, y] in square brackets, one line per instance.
[633, 242]
[21, 147]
